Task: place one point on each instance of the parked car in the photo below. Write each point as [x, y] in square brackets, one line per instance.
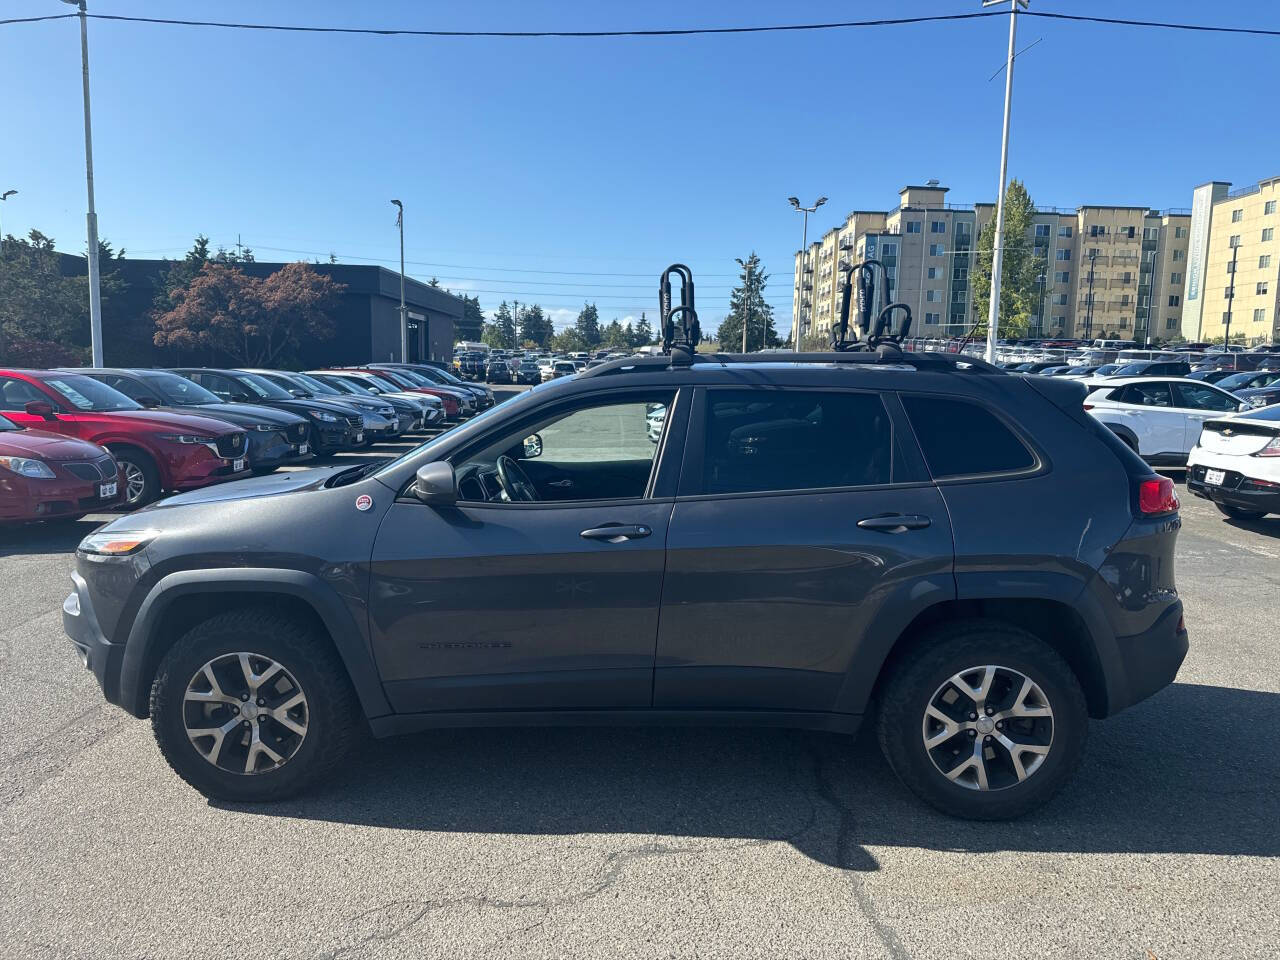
[1081, 370]
[498, 371]
[1260, 396]
[472, 366]
[46, 476]
[1249, 380]
[398, 421]
[156, 452]
[276, 437]
[1213, 375]
[557, 369]
[482, 395]
[454, 404]
[1152, 368]
[1236, 464]
[429, 410]
[1159, 418]
[980, 646]
[528, 372]
[334, 426]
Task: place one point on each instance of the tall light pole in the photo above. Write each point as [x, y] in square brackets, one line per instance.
[5, 196]
[746, 298]
[404, 317]
[1088, 314]
[1231, 299]
[95, 292]
[804, 260]
[997, 246]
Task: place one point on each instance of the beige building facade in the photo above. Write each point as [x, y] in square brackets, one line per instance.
[1115, 272]
[1233, 269]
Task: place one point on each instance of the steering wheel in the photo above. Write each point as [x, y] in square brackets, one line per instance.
[515, 482]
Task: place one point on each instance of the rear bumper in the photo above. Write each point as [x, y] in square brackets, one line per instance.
[1236, 489]
[1150, 660]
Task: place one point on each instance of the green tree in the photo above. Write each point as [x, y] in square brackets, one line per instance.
[588, 325]
[472, 323]
[1020, 270]
[748, 306]
[614, 335]
[535, 326]
[568, 341]
[642, 335]
[502, 332]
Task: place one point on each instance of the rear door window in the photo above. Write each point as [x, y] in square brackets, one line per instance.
[960, 438]
[771, 440]
[1145, 395]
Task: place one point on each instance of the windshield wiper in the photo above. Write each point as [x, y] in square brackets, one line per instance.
[350, 475]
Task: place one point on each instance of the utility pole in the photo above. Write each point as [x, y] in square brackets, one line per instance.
[804, 261]
[1088, 315]
[997, 246]
[95, 291]
[1231, 298]
[404, 317]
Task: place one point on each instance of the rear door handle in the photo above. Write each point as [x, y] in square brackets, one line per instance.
[895, 523]
[617, 532]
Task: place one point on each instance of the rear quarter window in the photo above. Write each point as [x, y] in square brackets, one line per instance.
[960, 438]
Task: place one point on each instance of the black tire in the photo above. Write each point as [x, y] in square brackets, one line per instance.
[333, 718]
[946, 651]
[1237, 513]
[130, 459]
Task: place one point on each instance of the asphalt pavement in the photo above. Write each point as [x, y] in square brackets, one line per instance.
[649, 843]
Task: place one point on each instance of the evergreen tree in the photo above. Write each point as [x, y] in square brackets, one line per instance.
[1020, 270]
[588, 325]
[568, 341]
[643, 334]
[535, 326]
[502, 332]
[748, 305]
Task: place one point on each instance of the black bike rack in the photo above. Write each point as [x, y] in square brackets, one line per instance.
[681, 332]
[872, 338]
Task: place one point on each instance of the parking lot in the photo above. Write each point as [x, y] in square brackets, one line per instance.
[624, 842]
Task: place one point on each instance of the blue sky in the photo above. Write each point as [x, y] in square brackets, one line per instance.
[556, 170]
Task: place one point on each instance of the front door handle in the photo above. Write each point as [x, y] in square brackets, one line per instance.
[895, 522]
[560, 483]
[617, 532]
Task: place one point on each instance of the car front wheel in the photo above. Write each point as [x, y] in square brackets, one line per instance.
[252, 706]
[985, 721]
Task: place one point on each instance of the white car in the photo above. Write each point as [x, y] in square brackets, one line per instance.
[1158, 417]
[1236, 464]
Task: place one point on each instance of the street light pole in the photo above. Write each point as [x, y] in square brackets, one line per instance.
[997, 246]
[1088, 314]
[95, 291]
[404, 317]
[804, 260]
[1231, 299]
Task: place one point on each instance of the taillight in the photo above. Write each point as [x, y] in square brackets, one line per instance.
[1156, 496]
[1088, 406]
[1272, 449]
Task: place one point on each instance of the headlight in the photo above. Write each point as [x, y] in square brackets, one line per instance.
[26, 467]
[388, 412]
[120, 543]
[187, 438]
[323, 415]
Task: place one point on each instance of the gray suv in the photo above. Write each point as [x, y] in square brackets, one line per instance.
[963, 556]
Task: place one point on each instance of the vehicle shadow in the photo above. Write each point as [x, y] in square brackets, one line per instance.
[1268, 526]
[1193, 770]
[57, 536]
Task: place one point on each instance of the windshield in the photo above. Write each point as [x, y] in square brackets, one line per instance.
[444, 376]
[179, 391]
[1107, 369]
[382, 383]
[1236, 380]
[85, 393]
[263, 387]
[7, 424]
[394, 381]
[343, 385]
[314, 385]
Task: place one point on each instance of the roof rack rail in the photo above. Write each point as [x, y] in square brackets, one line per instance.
[886, 354]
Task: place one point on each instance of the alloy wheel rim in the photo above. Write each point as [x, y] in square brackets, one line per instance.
[245, 713]
[135, 481]
[988, 728]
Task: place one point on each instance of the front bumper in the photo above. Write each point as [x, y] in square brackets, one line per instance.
[208, 468]
[99, 656]
[31, 498]
[1237, 489]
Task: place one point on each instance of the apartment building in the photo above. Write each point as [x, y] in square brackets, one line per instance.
[1233, 264]
[1107, 271]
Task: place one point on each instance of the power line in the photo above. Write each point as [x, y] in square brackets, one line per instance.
[571, 34]
[1119, 22]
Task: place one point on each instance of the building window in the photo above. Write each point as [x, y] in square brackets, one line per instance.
[1124, 300]
[1174, 300]
[1128, 277]
[1064, 231]
[1235, 239]
[1060, 320]
[888, 250]
[1268, 233]
[1098, 230]
[963, 228]
[1237, 215]
[1042, 229]
[1175, 278]
[1269, 207]
[1129, 232]
[1226, 293]
[960, 273]
[937, 226]
[1179, 232]
[1171, 323]
[1264, 261]
[1231, 267]
[958, 296]
[931, 318]
[1177, 255]
[935, 249]
[1062, 276]
[933, 296]
[1062, 254]
[933, 273]
[1150, 233]
[1259, 315]
[1261, 288]
[913, 226]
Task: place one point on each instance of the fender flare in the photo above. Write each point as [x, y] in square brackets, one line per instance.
[1123, 432]
[350, 642]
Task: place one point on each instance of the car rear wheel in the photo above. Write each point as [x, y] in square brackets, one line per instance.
[138, 476]
[253, 706]
[1237, 513]
[985, 721]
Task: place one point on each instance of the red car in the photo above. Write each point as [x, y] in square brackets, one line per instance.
[44, 476]
[156, 451]
[387, 381]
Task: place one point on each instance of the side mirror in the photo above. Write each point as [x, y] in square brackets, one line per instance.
[532, 446]
[436, 485]
[40, 408]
